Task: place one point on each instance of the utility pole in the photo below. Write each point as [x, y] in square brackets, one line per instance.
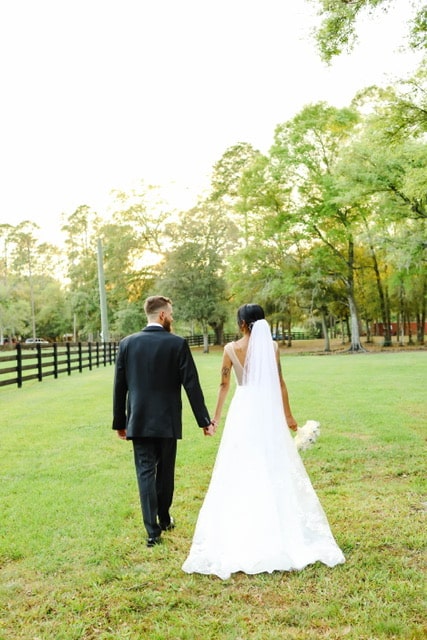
[102, 295]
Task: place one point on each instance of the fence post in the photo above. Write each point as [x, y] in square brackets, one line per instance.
[39, 362]
[68, 349]
[55, 360]
[19, 364]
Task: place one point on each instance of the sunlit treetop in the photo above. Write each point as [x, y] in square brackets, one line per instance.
[338, 32]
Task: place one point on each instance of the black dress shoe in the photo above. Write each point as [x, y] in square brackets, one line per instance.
[151, 542]
[169, 526]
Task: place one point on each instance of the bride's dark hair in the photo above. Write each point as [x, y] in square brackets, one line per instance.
[249, 313]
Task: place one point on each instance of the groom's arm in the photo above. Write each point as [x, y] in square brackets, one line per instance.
[190, 382]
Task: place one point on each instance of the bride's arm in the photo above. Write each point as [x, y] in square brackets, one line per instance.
[223, 387]
[292, 423]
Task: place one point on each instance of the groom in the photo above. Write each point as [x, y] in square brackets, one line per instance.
[151, 367]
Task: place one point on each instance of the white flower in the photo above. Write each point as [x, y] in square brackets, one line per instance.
[307, 435]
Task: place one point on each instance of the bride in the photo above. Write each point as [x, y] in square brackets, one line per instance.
[260, 513]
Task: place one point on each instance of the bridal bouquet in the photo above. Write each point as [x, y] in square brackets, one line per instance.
[307, 435]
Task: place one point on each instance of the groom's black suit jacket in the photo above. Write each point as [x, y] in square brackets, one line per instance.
[151, 367]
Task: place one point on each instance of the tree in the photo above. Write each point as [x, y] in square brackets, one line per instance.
[260, 266]
[304, 159]
[227, 172]
[319, 293]
[408, 282]
[128, 275]
[338, 31]
[193, 270]
[134, 244]
[128, 318]
[146, 213]
[13, 311]
[404, 105]
[54, 317]
[264, 272]
[32, 263]
[82, 229]
[228, 186]
[384, 172]
[191, 278]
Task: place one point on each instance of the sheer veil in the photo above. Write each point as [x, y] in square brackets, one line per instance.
[260, 368]
[261, 383]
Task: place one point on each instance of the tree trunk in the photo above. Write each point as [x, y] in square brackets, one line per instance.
[387, 327]
[368, 331]
[408, 322]
[401, 315]
[354, 323]
[347, 324]
[205, 341]
[355, 345]
[289, 332]
[325, 329]
[384, 306]
[218, 328]
[343, 325]
[421, 317]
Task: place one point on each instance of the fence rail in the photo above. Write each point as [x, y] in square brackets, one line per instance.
[37, 361]
[197, 340]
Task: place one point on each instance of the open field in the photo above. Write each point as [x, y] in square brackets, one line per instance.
[73, 563]
[317, 346]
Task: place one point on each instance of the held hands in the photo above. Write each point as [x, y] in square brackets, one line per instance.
[210, 430]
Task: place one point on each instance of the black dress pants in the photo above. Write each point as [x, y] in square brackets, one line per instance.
[155, 472]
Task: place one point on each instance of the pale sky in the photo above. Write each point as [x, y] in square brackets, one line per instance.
[100, 94]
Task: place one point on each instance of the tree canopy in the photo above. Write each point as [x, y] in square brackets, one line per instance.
[338, 30]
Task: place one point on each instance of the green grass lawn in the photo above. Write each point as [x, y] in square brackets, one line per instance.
[73, 561]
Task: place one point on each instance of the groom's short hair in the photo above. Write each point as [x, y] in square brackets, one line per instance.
[154, 304]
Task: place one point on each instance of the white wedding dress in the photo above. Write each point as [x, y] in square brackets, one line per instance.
[260, 513]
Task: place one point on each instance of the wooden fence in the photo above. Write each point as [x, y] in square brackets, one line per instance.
[24, 362]
[197, 340]
[37, 361]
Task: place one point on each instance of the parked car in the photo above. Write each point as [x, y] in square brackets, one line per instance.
[36, 341]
